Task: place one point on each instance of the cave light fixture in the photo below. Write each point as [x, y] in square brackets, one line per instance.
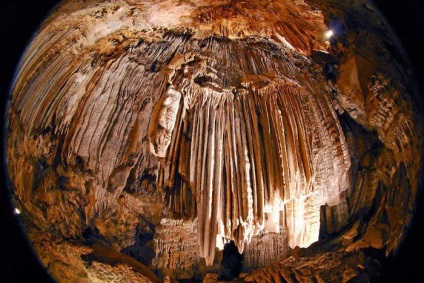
[329, 33]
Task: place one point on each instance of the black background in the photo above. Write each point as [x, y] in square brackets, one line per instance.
[18, 21]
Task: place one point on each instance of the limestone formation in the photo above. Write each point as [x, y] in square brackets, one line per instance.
[174, 127]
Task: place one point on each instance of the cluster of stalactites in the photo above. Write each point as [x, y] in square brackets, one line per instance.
[241, 146]
[260, 158]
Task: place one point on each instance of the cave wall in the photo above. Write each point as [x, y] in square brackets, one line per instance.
[122, 114]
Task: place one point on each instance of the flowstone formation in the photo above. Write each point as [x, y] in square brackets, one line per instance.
[152, 134]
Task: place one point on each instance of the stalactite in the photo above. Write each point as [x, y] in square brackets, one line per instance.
[250, 143]
[213, 120]
[251, 151]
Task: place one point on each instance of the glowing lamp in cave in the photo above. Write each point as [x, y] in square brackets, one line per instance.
[329, 34]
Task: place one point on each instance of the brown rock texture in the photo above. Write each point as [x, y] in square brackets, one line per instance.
[70, 261]
[173, 127]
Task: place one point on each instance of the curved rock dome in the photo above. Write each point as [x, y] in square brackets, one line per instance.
[147, 138]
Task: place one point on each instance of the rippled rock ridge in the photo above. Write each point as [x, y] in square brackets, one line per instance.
[147, 138]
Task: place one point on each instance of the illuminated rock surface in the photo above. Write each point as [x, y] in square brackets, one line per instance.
[166, 129]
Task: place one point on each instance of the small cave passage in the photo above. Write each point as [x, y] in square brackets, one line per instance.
[232, 262]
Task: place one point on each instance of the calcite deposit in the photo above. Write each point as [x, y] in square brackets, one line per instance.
[164, 130]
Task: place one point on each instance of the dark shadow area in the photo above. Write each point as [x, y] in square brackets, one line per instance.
[143, 249]
[232, 262]
[18, 21]
[407, 263]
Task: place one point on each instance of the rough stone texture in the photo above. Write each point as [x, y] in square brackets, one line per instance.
[174, 127]
[69, 261]
[176, 249]
[264, 249]
[319, 268]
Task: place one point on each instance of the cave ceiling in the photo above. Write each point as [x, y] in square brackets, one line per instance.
[146, 136]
